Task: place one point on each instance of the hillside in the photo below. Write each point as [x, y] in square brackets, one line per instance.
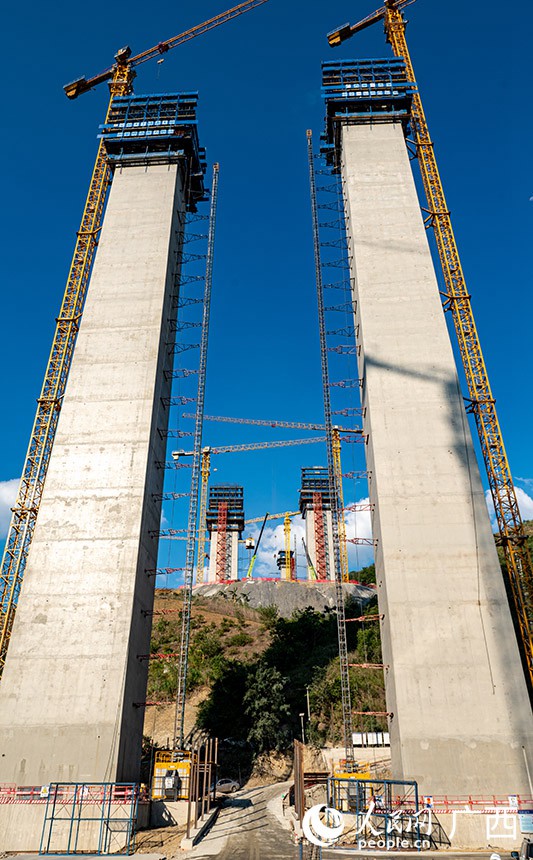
[256, 650]
[288, 597]
[250, 669]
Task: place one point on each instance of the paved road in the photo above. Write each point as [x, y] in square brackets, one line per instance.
[247, 830]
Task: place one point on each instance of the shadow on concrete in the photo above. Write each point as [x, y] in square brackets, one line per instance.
[237, 802]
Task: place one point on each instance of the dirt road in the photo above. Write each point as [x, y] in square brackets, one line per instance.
[248, 829]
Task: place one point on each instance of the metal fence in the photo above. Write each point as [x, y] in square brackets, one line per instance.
[89, 817]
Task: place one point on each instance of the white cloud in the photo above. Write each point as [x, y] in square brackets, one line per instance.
[525, 504]
[272, 541]
[8, 495]
[358, 524]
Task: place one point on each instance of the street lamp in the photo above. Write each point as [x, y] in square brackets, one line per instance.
[302, 715]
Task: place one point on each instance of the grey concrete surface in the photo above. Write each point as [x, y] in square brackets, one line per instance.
[197, 833]
[72, 678]
[232, 556]
[248, 829]
[462, 722]
[288, 597]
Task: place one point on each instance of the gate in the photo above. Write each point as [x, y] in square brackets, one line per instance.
[96, 817]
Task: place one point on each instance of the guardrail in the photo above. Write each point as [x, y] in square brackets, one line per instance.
[12, 793]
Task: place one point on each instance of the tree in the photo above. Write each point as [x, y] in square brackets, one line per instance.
[366, 576]
[267, 710]
[222, 712]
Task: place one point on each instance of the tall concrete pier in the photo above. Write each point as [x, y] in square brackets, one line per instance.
[315, 507]
[225, 523]
[72, 690]
[461, 718]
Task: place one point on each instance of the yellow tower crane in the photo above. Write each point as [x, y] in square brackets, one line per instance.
[206, 471]
[286, 517]
[336, 459]
[120, 77]
[287, 532]
[481, 402]
[281, 516]
[204, 483]
[336, 445]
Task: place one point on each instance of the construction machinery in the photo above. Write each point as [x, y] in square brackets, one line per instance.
[334, 475]
[336, 451]
[265, 422]
[310, 566]
[282, 516]
[336, 443]
[120, 77]
[256, 550]
[206, 471]
[287, 533]
[286, 517]
[456, 300]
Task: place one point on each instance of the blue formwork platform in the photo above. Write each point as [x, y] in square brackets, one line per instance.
[157, 129]
[315, 479]
[233, 496]
[363, 92]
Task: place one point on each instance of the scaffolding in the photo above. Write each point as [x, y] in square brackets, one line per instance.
[320, 538]
[222, 540]
[192, 522]
[315, 496]
[333, 477]
[233, 496]
[225, 516]
[171, 127]
[97, 818]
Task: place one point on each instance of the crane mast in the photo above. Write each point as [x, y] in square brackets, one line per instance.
[179, 721]
[120, 77]
[481, 402]
[206, 471]
[49, 403]
[456, 299]
[336, 448]
[287, 533]
[336, 510]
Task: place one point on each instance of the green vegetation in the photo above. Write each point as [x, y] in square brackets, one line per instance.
[366, 576]
[258, 669]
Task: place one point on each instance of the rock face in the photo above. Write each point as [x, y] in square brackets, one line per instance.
[286, 596]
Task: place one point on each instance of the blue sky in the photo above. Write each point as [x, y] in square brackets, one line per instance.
[259, 84]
